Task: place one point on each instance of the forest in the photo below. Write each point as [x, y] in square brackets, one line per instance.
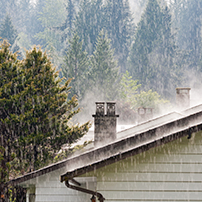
[133, 52]
[111, 47]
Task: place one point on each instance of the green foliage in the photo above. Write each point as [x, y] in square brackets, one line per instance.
[104, 70]
[76, 67]
[131, 94]
[149, 99]
[129, 88]
[68, 26]
[9, 76]
[49, 17]
[153, 58]
[188, 22]
[112, 16]
[120, 28]
[7, 30]
[89, 23]
[36, 25]
[35, 112]
[51, 36]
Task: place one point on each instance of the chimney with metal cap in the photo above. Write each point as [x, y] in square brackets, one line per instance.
[183, 98]
[104, 124]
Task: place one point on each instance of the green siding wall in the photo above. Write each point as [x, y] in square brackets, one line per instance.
[172, 172]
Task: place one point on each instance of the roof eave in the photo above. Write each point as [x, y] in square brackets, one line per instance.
[120, 156]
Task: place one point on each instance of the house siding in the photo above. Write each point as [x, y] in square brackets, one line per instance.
[172, 172]
[48, 188]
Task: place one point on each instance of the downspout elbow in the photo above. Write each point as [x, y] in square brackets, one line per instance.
[87, 191]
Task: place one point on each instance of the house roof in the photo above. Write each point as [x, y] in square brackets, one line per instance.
[136, 140]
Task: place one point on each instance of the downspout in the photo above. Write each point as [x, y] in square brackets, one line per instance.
[87, 191]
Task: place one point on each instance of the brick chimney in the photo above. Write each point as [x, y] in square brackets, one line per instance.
[105, 124]
[183, 98]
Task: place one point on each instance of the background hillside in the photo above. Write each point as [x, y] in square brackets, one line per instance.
[128, 51]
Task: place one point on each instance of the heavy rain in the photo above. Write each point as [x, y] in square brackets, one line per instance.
[100, 100]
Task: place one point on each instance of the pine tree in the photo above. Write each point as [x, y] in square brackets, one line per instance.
[104, 70]
[7, 30]
[5, 8]
[76, 67]
[24, 16]
[48, 110]
[36, 24]
[120, 29]
[189, 25]
[153, 56]
[89, 23]
[145, 38]
[10, 78]
[129, 88]
[68, 26]
[51, 21]
[112, 16]
[35, 112]
[71, 13]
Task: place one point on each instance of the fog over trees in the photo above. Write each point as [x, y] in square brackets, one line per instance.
[127, 51]
[156, 41]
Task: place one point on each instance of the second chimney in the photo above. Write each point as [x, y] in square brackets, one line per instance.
[183, 98]
[104, 124]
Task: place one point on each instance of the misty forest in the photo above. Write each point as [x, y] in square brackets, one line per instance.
[57, 57]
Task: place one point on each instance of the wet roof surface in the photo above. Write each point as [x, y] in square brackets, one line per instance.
[130, 141]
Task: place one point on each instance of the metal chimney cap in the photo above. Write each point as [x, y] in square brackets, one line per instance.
[100, 102]
[183, 88]
[179, 90]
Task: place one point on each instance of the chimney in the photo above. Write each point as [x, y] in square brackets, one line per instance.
[183, 98]
[144, 114]
[104, 124]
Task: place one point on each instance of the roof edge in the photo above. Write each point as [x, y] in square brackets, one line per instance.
[120, 156]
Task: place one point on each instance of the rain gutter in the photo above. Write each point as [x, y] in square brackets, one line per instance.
[81, 189]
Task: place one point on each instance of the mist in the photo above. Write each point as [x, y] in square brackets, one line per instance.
[136, 56]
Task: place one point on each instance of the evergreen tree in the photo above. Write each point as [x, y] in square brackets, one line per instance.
[35, 112]
[10, 77]
[7, 30]
[71, 13]
[89, 23]
[129, 88]
[3, 6]
[120, 29]
[104, 70]
[153, 56]
[188, 23]
[36, 24]
[51, 35]
[76, 67]
[48, 111]
[7, 7]
[67, 28]
[112, 16]
[24, 16]
[145, 38]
